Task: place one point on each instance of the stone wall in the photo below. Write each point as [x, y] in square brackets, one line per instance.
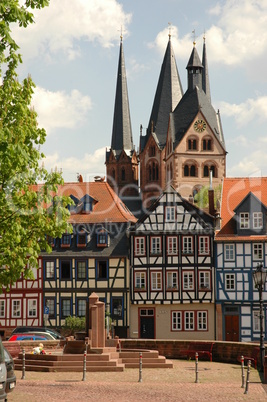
[226, 352]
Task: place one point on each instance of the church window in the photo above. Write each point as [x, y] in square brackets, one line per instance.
[190, 170]
[186, 170]
[113, 173]
[206, 171]
[206, 144]
[192, 144]
[152, 151]
[123, 174]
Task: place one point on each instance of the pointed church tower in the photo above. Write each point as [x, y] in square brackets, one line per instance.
[195, 143]
[205, 74]
[121, 159]
[168, 94]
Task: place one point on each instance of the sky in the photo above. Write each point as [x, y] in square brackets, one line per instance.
[72, 52]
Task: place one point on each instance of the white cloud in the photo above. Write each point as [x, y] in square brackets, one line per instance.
[247, 166]
[89, 165]
[247, 111]
[59, 109]
[59, 27]
[239, 35]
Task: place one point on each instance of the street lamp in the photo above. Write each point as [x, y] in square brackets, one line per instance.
[259, 276]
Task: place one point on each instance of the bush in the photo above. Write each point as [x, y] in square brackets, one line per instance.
[74, 324]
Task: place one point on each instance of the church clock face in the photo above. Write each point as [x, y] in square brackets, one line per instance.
[200, 126]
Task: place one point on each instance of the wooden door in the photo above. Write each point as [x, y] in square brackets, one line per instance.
[231, 328]
[147, 327]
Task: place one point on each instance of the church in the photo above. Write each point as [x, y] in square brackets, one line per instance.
[183, 143]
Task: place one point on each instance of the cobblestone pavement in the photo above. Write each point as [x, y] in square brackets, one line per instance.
[217, 382]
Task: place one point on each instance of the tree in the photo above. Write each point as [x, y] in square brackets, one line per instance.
[202, 197]
[29, 211]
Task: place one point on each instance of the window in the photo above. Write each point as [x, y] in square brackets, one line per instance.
[50, 240]
[256, 321]
[202, 321]
[2, 308]
[49, 270]
[153, 172]
[32, 308]
[244, 220]
[206, 144]
[81, 269]
[188, 281]
[172, 280]
[152, 151]
[176, 320]
[187, 245]
[192, 144]
[140, 280]
[170, 214]
[190, 170]
[257, 220]
[189, 321]
[123, 174]
[156, 282]
[229, 252]
[117, 311]
[65, 308]
[155, 245]
[50, 303]
[257, 251]
[172, 245]
[229, 281]
[102, 269]
[66, 240]
[81, 307]
[204, 280]
[102, 238]
[139, 246]
[16, 308]
[81, 240]
[65, 270]
[204, 245]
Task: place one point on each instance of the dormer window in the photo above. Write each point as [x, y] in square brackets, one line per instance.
[244, 220]
[66, 240]
[102, 239]
[257, 220]
[152, 150]
[50, 240]
[81, 239]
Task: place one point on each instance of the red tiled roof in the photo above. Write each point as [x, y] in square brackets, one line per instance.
[233, 192]
[107, 208]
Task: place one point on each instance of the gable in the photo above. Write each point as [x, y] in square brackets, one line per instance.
[186, 218]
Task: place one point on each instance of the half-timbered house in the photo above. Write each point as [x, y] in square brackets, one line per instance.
[94, 258]
[23, 304]
[172, 271]
[241, 244]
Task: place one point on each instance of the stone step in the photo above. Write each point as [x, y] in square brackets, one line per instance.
[136, 354]
[159, 360]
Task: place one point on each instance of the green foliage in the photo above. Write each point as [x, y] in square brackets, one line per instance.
[25, 220]
[74, 324]
[202, 197]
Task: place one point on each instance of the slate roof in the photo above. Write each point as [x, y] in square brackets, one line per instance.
[122, 129]
[186, 111]
[233, 193]
[205, 74]
[168, 93]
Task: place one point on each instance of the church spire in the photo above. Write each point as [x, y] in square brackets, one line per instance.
[205, 74]
[122, 129]
[168, 94]
[194, 70]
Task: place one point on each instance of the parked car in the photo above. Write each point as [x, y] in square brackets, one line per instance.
[3, 373]
[24, 330]
[40, 336]
[10, 369]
